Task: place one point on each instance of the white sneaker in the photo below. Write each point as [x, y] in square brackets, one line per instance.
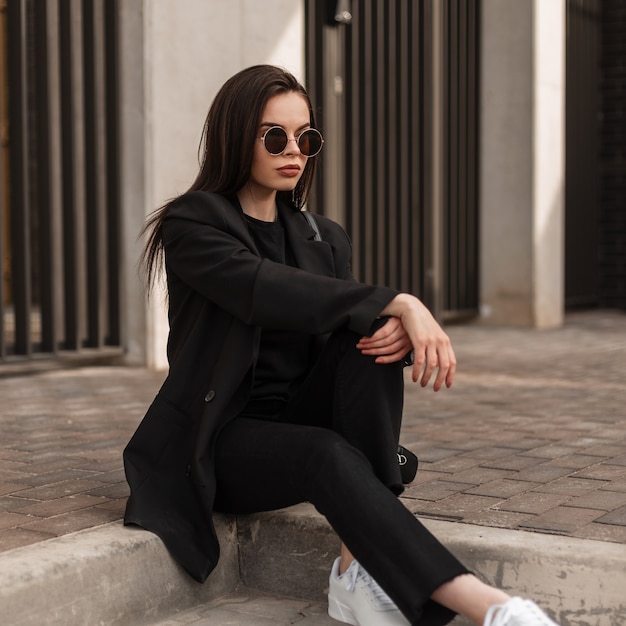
[517, 612]
[354, 597]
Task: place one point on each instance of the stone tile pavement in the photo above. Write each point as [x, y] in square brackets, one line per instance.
[532, 436]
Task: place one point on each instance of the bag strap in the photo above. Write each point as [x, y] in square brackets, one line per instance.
[310, 218]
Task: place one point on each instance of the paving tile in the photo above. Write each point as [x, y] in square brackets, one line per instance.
[478, 475]
[561, 519]
[14, 503]
[543, 473]
[436, 454]
[515, 462]
[603, 471]
[496, 519]
[424, 508]
[502, 488]
[19, 537]
[602, 499]
[111, 477]
[551, 451]
[116, 506]
[573, 485]
[6, 488]
[36, 480]
[616, 517]
[118, 490]
[602, 532]
[13, 520]
[605, 450]
[59, 490]
[574, 461]
[435, 490]
[489, 453]
[533, 502]
[425, 475]
[50, 508]
[457, 505]
[528, 443]
[72, 521]
[455, 464]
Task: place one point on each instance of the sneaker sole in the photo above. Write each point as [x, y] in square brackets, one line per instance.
[341, 612]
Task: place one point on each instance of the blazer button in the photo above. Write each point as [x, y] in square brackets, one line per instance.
[209, 396]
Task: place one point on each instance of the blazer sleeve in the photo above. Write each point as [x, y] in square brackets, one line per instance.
[210, 251]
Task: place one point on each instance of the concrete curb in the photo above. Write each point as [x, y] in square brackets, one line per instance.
[107, 575]
[114, 575]
[580, 582]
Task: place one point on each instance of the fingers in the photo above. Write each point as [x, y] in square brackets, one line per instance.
[389, 343]
[387, 334]
[435, 358]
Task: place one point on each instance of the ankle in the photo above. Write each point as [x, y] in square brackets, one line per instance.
[346, 559]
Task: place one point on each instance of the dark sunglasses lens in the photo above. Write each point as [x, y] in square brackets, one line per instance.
[275, 140]
[310, 142]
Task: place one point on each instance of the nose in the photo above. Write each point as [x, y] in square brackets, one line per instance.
[292, 150]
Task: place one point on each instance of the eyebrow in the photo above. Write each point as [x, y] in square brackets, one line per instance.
[270, 124]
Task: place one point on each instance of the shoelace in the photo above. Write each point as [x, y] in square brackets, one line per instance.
[355, 573]
[508, 614]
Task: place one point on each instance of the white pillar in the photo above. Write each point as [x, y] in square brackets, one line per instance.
[182, 51]
[522, 161]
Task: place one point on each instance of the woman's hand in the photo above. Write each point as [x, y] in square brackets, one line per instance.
[390, 343]
[432, 347]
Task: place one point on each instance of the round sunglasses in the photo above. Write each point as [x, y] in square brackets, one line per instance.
[275, 140]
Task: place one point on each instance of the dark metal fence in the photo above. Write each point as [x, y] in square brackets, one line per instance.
[582, 122]
[381, 100]
[461, 160]
[59, 179]
[613, 155]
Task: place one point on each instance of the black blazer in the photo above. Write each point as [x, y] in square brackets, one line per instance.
[220, 294]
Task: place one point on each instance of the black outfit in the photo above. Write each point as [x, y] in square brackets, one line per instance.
[330, 439]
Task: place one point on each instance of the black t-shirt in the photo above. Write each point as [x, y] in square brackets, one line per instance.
[284, 356]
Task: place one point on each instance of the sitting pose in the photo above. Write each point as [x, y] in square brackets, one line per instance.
[286, 375]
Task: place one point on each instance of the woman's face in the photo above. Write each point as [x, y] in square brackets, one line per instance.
[280, 172]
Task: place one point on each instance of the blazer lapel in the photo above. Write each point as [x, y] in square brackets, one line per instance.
[312, 256]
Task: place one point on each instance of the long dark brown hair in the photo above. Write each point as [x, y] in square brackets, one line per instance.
[227, 146]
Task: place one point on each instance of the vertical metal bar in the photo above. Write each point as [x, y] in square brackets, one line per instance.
[4, 179]
[418, 204]
[92, 198]
[114, 330]
[470, 269]
[462, 202]
[391, 269]
[428, 142]
[438, 143]
[45, 277]
[354, 220]
[452, 157]
[55, 272]
[378, 208]
[20, 183]
[403, 172]
[71, 327]
[367, 156]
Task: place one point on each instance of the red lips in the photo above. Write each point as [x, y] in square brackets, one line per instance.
[289, 170]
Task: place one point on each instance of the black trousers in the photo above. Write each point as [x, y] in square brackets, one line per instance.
[335, 445]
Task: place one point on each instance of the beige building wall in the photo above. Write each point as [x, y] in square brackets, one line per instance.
[522, 162]
[175, 54]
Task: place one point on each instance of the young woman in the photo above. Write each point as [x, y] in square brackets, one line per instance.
[285, 381]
